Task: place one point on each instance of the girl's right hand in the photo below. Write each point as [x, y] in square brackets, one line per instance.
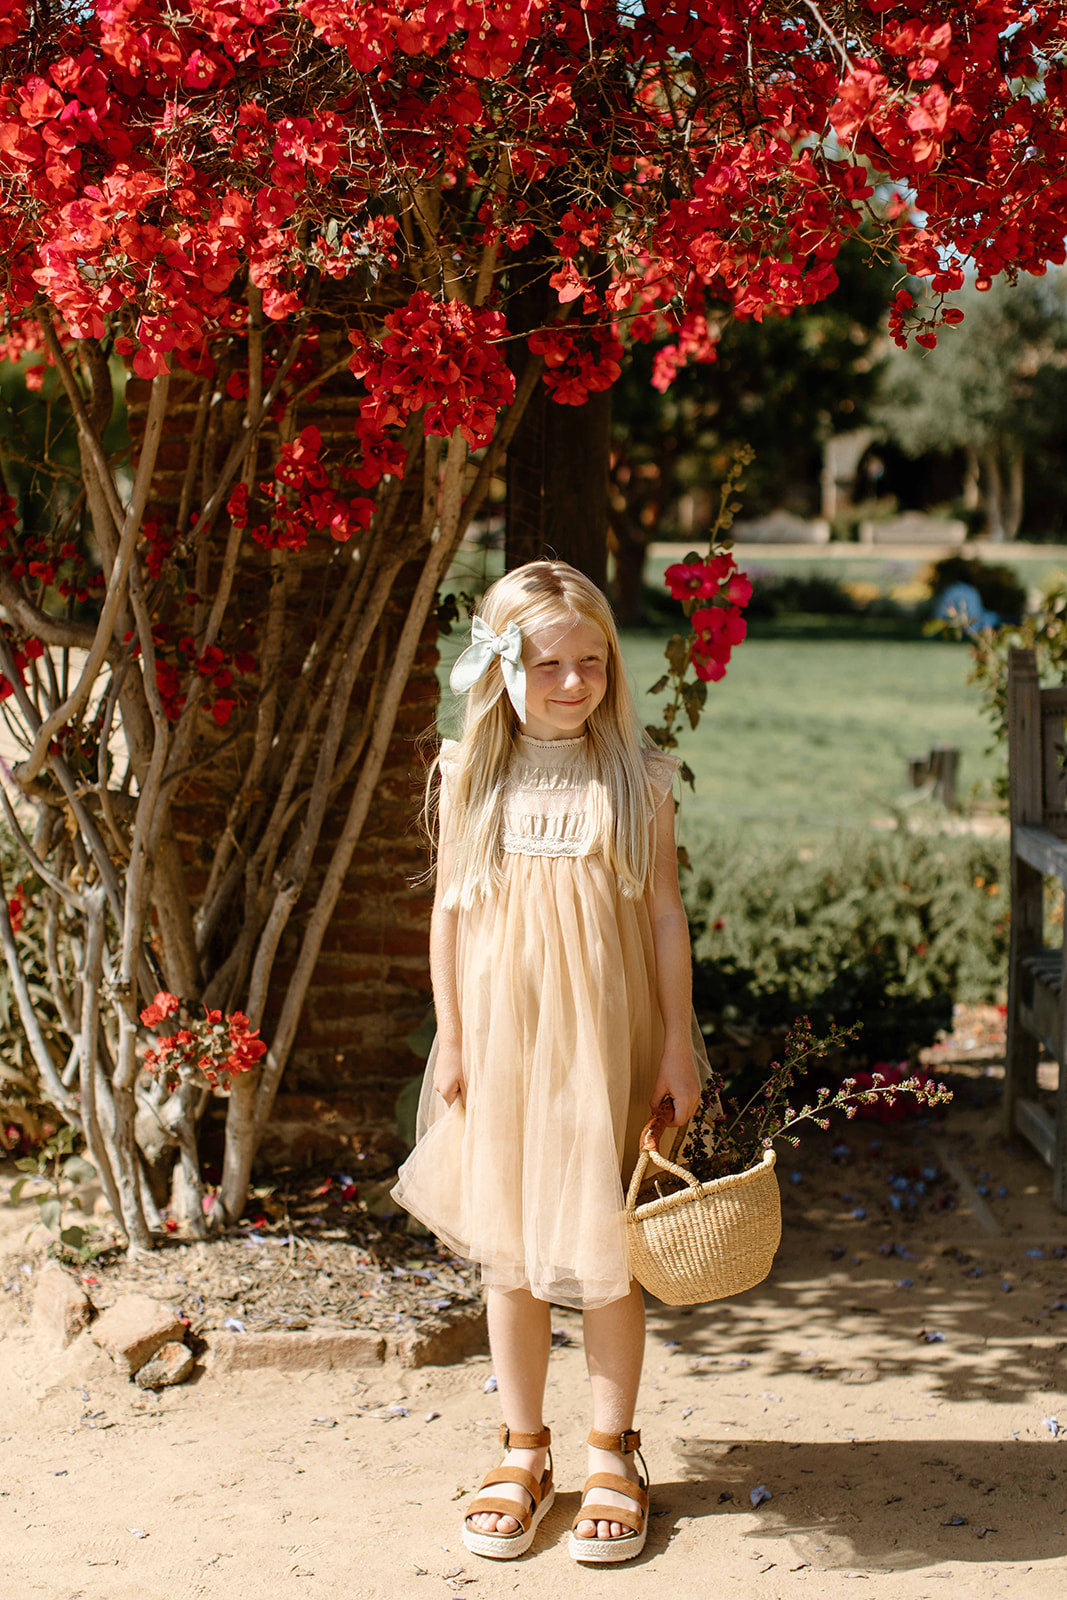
[448, 1073]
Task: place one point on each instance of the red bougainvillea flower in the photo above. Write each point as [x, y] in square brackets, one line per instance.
[164, 1005]
[16, 908]
[219, 1047]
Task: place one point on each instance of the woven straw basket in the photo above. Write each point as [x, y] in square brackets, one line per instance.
[708, 1240]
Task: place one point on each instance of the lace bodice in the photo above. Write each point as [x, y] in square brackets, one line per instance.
[544, 811]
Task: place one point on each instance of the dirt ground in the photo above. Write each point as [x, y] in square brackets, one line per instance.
[883, 1416]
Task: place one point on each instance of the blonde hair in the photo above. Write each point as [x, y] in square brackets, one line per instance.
[620, 795]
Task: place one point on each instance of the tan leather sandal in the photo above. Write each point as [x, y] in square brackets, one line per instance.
[506, 1546]
[603, 1551]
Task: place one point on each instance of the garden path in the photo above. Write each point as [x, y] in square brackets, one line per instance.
[892, 1387]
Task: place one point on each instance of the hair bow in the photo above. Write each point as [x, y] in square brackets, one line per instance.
[476, 659]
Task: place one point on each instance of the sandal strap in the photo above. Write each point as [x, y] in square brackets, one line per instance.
[512, 1440]
[618, 1485]
[502, 1508]
[623, 1443]
[634, 1520]
[519, 1475]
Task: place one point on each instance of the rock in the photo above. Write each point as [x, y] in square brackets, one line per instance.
[172, 1363]
[782, 527]
[134, 1328]
[61, 1308]
[316, 1349]
[440, 1341]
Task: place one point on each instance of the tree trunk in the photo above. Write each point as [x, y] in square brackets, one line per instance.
[628, 549]
[370, 986]
[557, 485]
[994, 494]
[558, 460]
[1013, 511]
[972, 494]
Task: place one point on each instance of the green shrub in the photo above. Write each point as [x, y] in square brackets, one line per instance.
[888, 930]
[998, 586]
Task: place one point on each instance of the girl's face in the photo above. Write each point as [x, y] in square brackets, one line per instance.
[566, 678]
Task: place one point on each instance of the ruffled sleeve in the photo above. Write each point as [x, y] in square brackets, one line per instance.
[447, 761]
[661, 769]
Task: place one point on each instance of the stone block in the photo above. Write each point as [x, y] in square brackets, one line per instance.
[443, 1340]
[61, 1308]
[172, 1363]
[312, 1349]
[134, 1328]
[782, 527]
[914, 527]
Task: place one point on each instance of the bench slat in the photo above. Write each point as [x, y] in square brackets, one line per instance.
[1042, 850]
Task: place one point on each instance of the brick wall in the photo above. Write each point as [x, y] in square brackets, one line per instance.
[371, 985]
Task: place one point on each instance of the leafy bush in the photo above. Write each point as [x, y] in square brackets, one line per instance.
[887, 930]
[998, 586]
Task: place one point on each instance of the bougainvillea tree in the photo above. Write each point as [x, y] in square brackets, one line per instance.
[263, 205]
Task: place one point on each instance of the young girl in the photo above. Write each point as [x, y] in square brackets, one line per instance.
[559, 954]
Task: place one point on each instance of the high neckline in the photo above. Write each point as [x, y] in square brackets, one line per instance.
[551, 744]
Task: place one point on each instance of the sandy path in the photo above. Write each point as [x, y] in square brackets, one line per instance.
[897, 1467]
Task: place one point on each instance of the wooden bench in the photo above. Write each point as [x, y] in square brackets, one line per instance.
[1037, 974]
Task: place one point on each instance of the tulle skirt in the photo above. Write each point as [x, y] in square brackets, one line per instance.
[562, 1038]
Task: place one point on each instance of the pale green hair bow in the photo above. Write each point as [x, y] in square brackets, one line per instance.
[477, 658]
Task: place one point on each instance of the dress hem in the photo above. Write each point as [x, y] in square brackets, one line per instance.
[495, 1280]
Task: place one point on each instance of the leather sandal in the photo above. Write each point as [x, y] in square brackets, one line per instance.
[603, 1551]
[506, 1546]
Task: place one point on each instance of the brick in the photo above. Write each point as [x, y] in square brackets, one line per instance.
[372, 977]
[61, 1308]
[444, 1340]
[313, 1349]
[134, 1328]
[172, 1363]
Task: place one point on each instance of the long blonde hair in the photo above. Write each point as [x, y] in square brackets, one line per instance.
[620, 795]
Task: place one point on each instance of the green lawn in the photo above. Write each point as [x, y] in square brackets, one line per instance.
[812, 725]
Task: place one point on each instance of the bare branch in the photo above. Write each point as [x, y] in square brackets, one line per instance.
[31, 620]
[88, 1046]
[28, 769]
[61, 1098]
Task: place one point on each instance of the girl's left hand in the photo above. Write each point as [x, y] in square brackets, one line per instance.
[677, 1078]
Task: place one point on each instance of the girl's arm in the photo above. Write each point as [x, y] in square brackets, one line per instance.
[677, 1075]
[448, 1069]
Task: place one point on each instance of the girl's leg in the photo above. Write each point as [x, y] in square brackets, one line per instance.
[520, 1336]
[614, 1352]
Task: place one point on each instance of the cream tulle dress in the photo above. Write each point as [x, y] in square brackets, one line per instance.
[562, 1038]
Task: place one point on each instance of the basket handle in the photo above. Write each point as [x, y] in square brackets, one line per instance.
[649, 1151]
[660, 1119]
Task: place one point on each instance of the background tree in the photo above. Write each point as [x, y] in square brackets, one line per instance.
[782, 385]
[994, 390]
[295, 225]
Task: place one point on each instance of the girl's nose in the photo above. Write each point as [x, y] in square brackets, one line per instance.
[571, 676]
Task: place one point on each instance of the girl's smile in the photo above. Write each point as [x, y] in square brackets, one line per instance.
[566, 678]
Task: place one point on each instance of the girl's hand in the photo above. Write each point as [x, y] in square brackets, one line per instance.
[448, 1073]
[677, 1078]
